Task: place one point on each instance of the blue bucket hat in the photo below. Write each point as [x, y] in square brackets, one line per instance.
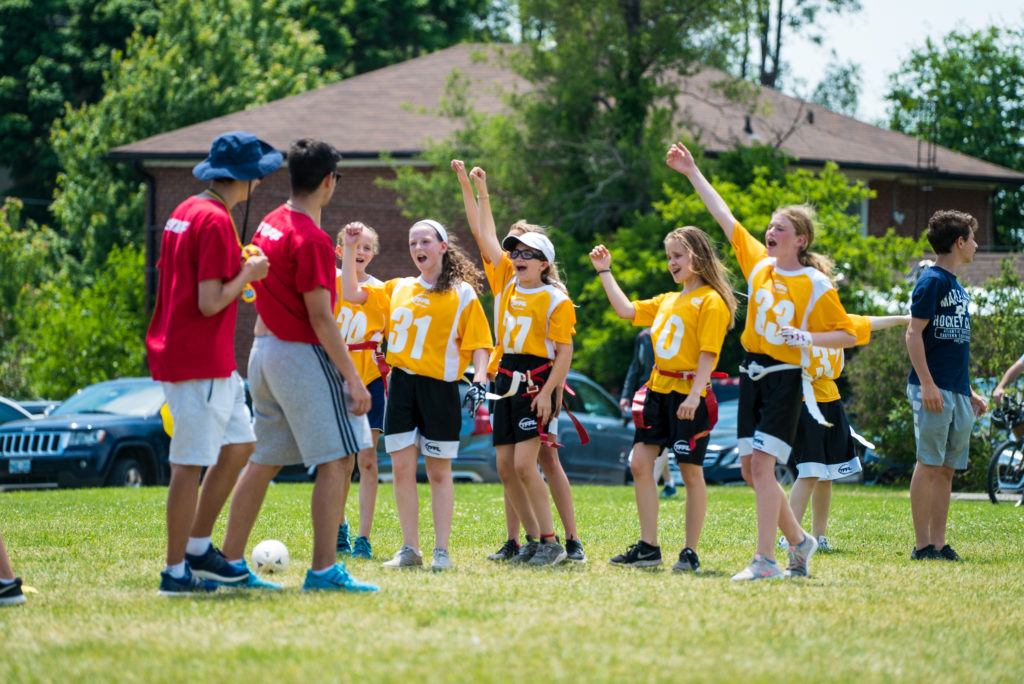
[239, 155]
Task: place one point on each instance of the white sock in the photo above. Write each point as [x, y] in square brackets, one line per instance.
[322, 572]
[197, 545]
[239, 563]
[7, 581]
[176, 571]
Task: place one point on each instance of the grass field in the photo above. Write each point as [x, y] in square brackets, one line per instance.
[867, 613]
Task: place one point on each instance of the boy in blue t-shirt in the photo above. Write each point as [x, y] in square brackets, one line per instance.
[939, 388]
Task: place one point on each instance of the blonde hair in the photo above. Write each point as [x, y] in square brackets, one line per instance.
[804, 217]
[706, 264]
[374, 238]
[550, 275]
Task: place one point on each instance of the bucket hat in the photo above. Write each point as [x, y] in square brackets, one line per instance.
[239, 155]
[536, 241]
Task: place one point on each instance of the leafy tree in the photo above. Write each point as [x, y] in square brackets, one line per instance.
[966, 92]
[839, 90]
[207, 59]
[53, 52]
[76, 332]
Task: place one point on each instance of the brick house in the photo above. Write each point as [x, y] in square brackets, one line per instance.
[388, 111]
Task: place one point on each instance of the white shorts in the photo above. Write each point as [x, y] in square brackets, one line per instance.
[208, 414]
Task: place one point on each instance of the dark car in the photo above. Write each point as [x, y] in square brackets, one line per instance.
[109, 433]
[603, 461]
[11, 410]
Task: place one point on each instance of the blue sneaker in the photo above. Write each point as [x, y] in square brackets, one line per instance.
[668, 492]
[361, 548]
[344, 546]
[213, 565]
[336, 579]
[181, 586]
[253, 581]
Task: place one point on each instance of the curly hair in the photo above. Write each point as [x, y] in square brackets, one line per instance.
[947, 226]
[456, 267]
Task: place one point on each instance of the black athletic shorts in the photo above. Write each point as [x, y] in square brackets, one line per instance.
[423, 404]
[769, 410]
[664, 429]
[514, 420]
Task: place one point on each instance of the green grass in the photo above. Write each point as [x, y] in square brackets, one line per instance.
[867, 613]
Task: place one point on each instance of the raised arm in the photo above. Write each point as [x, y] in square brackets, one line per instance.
[468, 200]
[680, 159]
[487, 237]
[350, 290]
[601, 258]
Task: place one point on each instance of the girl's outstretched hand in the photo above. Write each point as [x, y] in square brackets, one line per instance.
[459, 167]
[353, 231]
[480, 178]
[680, 159]
[600, 257]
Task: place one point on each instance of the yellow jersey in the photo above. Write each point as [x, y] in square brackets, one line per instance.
[363, 323]
[434, 334]
[530, 320]
[682, 326]
[827, 363]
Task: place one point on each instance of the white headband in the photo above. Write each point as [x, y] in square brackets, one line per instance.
[435, 225]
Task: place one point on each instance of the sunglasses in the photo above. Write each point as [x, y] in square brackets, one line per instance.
[337, 175]
[525, 254]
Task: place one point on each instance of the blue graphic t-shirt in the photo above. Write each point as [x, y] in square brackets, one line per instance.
[939, 298]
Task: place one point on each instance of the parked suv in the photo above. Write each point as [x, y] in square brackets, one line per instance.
[109, 433]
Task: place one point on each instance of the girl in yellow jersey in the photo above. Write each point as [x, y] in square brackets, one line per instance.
[792, 307]
[435, 327]
[534, 324]
[362, 328]
[825, 453]
[687, 329]
[550, 465]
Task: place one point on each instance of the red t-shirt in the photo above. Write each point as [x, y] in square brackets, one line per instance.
[301, 260]
[199, 243]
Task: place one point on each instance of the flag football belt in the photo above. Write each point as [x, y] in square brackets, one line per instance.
[532, 388]
[378, 358]
[756, 371]
[710, 401]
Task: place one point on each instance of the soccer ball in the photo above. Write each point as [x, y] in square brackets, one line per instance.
[270, 556]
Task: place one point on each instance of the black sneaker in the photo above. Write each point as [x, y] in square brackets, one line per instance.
[507, 551]
[688, 561]
[927, 553]
[639, 555]
[574, 549]
[947, 553]
[189, 584]
[526, 551]
[11, 593]
[212, 565]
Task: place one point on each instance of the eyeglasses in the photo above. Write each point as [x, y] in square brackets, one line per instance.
[337, 175]
[525, 254]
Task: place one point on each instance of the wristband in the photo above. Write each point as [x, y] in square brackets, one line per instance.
[604, 270]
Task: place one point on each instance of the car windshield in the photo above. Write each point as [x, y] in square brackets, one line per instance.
[725, 429]
[141, 397]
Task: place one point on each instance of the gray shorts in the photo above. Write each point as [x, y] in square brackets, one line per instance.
[207, 414]
[301, 406]
[943, 439]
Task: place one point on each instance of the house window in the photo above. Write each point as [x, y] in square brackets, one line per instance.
[859, 209]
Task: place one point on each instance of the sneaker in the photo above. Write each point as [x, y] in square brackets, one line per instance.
[344, 545]
[336, 579]
[926, 553]
[800, 555]
[548, 553]
[361, 548]
[11, 593]
[507, 551]
[823, 545]
[947, 553]
[668, 492]
[760, 568]
[526, 551]
[639, 555]
[212, 565]
[688, 561]
[405, 557]
[191, 583]
[574, 551]
[783, 544]
[442, 561]
[253, 581]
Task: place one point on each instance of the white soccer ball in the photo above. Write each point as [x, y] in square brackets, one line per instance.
[270, 556]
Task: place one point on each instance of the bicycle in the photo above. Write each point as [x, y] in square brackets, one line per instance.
[1006, 467]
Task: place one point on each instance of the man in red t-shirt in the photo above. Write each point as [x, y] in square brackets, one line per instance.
[309, 400]
[191, 352]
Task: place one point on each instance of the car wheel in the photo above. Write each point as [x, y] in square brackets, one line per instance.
[785, 474]
[127, 472]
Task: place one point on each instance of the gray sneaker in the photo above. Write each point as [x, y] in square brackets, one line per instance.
[823, 545]
[760, 568]
[526, 551]
[441, 561]
[548, 553]
[799, 555]
[406, 557]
